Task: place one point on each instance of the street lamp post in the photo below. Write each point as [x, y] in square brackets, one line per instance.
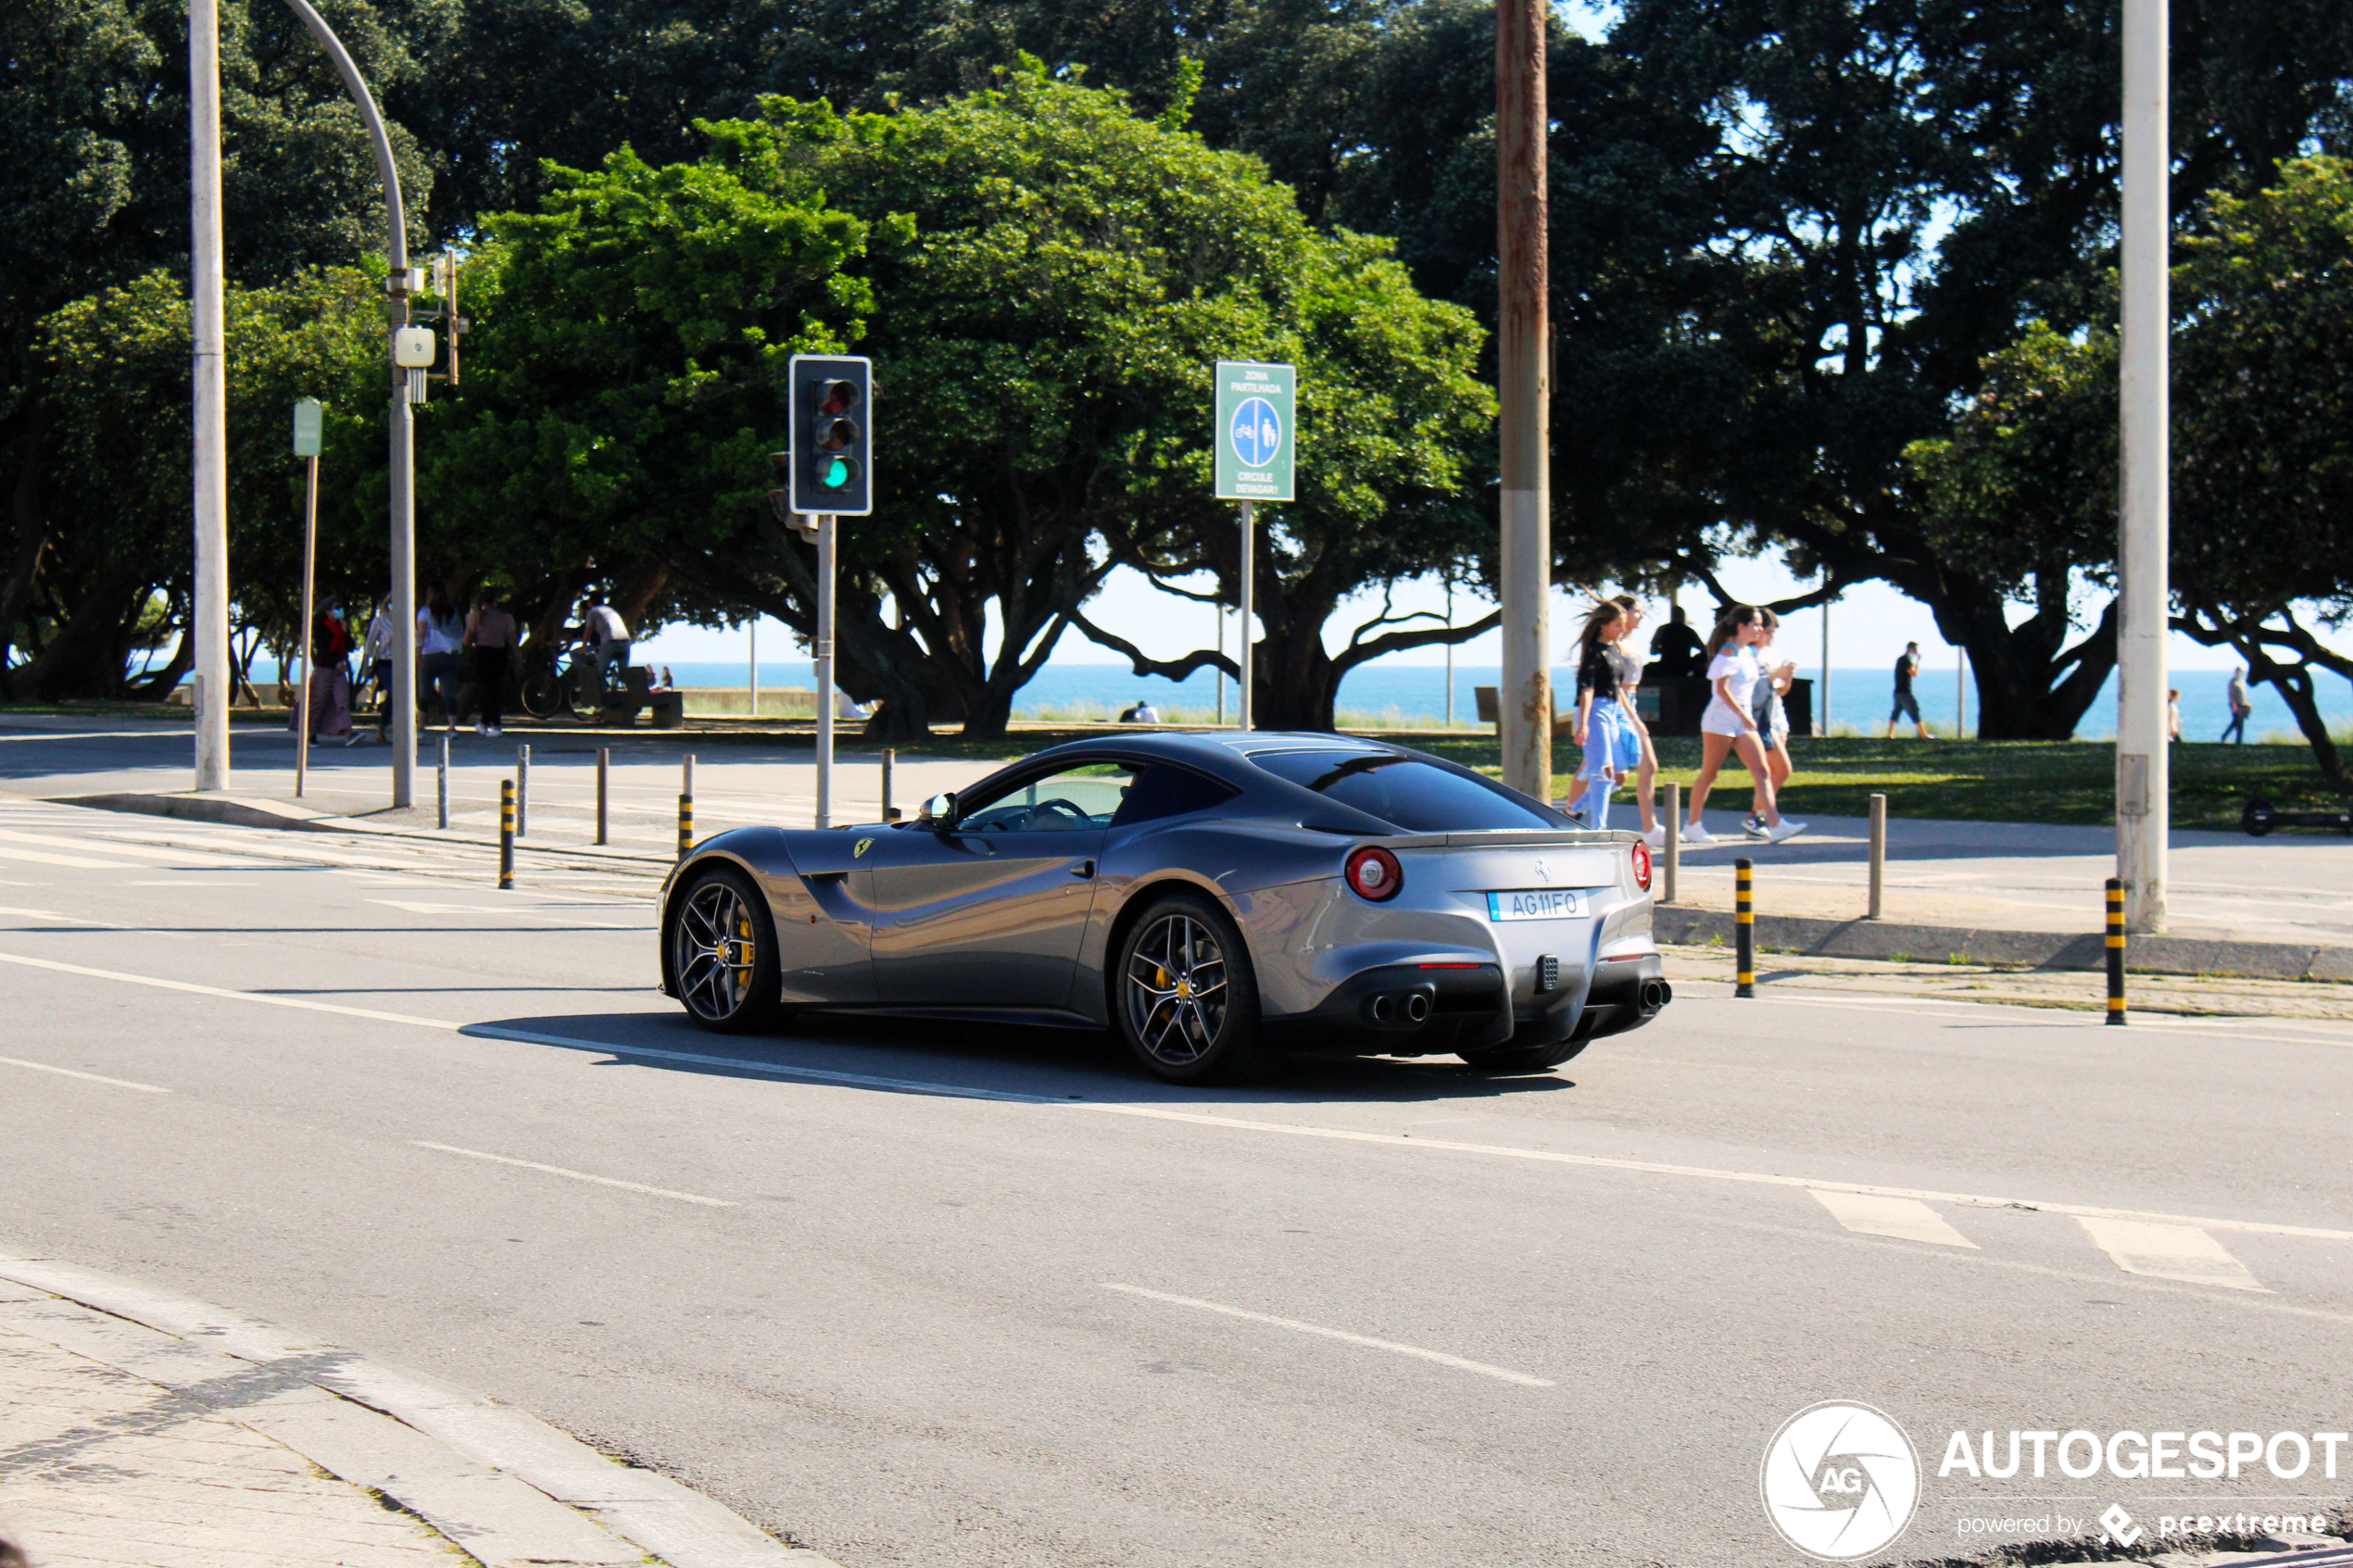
[208, 619]
[2143, 777]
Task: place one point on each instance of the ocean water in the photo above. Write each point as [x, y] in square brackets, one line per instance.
[1404, 694]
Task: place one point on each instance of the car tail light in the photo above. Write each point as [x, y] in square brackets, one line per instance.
[1372, 874]
[1642, 865]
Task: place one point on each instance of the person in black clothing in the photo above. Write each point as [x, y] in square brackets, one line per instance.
[1676, 649]
[1907, 664]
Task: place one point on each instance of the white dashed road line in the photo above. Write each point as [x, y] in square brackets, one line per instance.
[576, 1175]
[1907, 1219]
[2183, 1252]
[87, 1077]
[1460, 1363]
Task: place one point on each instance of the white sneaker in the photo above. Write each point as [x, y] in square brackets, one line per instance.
[1788, 829]
[494, 730]
[481, 729]
[1655, 837]
[1696, 833]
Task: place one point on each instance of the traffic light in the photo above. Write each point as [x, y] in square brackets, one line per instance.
[830, 467]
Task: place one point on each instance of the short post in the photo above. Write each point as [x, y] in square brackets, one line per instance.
[1879, 853]
[686, 808]
[1743, 927]
[441, 787]
[2115, 951]
[604, 785]
[506, 833]
[889, 812]
[523, 791]
[1673, 824]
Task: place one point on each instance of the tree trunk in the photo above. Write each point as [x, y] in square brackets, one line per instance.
[85, 658]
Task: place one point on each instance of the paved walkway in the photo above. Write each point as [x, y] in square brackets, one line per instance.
[99, 1466]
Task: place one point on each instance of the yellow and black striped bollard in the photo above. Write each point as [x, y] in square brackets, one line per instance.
[506, 833]
[686, 823]
[2115, 951]
[1744, 927]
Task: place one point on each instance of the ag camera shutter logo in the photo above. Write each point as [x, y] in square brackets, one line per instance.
[1840, 1480]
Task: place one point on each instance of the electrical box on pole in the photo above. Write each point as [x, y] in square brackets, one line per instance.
[831, 469]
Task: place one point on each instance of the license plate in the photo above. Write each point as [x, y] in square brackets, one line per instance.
[1534, 903]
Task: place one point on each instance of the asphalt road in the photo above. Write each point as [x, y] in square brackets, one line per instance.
[934, 1295]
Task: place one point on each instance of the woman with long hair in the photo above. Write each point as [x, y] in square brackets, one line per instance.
[1730, 725]
[1604, 726]
[1772, 720]
[1630, 680]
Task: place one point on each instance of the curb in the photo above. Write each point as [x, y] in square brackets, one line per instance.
[503, 1484]
[1682, 926]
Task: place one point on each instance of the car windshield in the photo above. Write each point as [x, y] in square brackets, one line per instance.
[1416, 795]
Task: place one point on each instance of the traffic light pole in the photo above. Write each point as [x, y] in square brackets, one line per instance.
[824, 650]
[1250, 705]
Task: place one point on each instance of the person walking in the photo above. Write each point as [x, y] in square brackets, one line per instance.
[609, 634]
[1729, 724]
[330, 693]
[377, 656]
[490, 636]
[1629, 685]
[440, 632]
[2241, 709]
[1611, 751]
[1907, 664]
[2174, 713]
[1772, 721]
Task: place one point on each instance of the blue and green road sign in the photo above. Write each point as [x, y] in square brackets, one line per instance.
[1257, 431]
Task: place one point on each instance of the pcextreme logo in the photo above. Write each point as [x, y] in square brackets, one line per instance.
[1840, 1480]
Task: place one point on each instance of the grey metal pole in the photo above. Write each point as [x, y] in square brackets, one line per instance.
[523, 791]
[209, 391]
[824, 650]
[441, 787]
[309, 582]
[1242, 651]
[2143, 778]
[604, 784]
[889, 812]
[1450, 658]
[1522, 344]
[753, 660]
[1878, 854]
[400, 447]
[1220, 666]
[1673, 858]
[1823, 702]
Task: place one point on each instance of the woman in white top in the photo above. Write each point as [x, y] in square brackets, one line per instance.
[1729, 724]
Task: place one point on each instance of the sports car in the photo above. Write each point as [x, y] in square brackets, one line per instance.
[1214, 899]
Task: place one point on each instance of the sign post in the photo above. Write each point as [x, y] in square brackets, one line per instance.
[1255, 440]
[309, 426]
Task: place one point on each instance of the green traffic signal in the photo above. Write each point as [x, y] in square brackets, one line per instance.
[836, 472]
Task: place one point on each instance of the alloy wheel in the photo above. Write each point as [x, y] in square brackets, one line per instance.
[715, 950]
[1176, 997]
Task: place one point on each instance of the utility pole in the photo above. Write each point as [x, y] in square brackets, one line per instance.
[2143, 777]
[209, 617]
[1523, 345]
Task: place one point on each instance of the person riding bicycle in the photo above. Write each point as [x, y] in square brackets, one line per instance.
[605, 630]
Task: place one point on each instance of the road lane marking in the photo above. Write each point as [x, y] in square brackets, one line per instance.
[1233, 1123]
[79, 863]
[576, 1175]
[417, 907]
[1907, 1219]
[1441, 1357]
[91, 1077]
[193, 989]
[53, 915]
[185, 881]
[112, 846]
[2183, 1252]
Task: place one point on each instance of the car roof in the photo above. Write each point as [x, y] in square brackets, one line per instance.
[1211, 748]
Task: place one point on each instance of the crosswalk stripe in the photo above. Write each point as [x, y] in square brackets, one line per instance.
[2183, 1252]
[1907, 1219]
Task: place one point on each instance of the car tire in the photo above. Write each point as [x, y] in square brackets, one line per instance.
[721, 921]
[1184, 996]
[1523, 1058]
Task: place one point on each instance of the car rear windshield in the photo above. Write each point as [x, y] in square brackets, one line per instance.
[1416, 796]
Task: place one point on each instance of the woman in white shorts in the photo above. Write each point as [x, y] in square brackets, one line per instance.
[1729, 725]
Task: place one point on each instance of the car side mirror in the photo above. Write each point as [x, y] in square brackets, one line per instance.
[938, 809]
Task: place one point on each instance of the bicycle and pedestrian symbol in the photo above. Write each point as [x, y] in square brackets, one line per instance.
[1257, 433]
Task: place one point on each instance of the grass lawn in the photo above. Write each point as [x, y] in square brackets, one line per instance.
[1978, 781]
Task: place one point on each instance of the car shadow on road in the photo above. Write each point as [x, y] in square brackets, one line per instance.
[986, 1061]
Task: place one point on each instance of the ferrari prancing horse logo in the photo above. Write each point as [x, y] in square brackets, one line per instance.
[862, 846]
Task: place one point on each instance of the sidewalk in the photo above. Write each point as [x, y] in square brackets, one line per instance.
[144, 1430]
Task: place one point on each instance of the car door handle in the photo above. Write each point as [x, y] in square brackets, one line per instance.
[1083, 869]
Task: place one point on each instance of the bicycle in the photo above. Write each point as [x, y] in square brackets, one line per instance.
[574, 689]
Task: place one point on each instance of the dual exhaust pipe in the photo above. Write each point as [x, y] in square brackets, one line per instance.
[1398, 1010]
[1656, 994]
